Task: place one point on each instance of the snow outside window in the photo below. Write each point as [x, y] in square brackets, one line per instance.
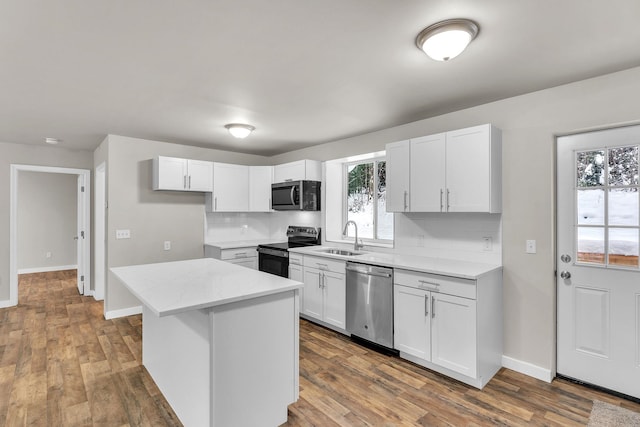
[366, 196]
[607, 207]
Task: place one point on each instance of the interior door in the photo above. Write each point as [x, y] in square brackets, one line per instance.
[80, 234]
[598, 284]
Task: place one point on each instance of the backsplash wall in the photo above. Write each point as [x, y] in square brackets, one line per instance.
[232, 226]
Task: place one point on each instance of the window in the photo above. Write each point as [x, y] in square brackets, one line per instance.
[365, 204]
[607, 206]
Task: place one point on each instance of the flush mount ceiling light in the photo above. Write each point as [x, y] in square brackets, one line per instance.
[239, 130]
[445, 40]
[52, 141]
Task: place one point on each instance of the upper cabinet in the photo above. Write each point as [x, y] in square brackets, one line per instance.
[310, 170]
[172, 173]
[457, 171]
[260, 179]
[230, 188]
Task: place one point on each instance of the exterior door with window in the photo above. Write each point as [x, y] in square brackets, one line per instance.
[598, 234]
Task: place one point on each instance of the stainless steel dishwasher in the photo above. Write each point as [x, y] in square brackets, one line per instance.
[370, 303]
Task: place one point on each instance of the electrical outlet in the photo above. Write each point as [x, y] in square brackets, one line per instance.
[48, 254]
[487, 243]
[167, 245]
[123, 234]
[531, 246]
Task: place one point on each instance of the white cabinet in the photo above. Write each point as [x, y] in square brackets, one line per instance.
[457, 171]
[245, 256]
[172, 173]
[230, 189]
[324, 296]
[310, 170]
[448, 324]
[260, 179]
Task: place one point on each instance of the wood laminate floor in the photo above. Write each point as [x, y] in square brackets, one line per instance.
[62, 364]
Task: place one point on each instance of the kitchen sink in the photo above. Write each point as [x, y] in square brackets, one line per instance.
[344, 252]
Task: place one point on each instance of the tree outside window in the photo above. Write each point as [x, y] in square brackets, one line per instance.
[366, 201]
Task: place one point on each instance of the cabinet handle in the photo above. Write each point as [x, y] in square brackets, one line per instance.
[405, 200]
[322, 266]
[324, 281]
[241, 255]
[441, 205]
[215, 203]
[426, 306]
[433, 307]
[184, 182]
[448, 205]
[189, 181]
[319, 285]
[424, 282]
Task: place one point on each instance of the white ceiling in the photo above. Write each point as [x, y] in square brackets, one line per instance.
[302, 72]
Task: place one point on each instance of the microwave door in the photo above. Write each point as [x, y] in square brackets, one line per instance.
[283, 197]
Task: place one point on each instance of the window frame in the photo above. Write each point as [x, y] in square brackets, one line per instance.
[345, 202]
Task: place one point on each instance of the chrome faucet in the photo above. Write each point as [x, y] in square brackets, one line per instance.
[356, 245]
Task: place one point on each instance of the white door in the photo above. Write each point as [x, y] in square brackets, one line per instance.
[172, 173]
[398, 155]
[468, 169]
[313, 293]
[260, 178]
[80, 234]
[230, 187]
[453, 333]
[335, 298]
[200, 175]
[427, 172]
[412, 321]
[598, 283]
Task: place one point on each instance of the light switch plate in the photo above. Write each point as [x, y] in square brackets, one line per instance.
[487, 243]
[167, 245]
[531, 246]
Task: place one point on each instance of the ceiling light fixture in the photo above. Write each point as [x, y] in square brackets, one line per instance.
[52, 141]
[239, 130]
[445, 40]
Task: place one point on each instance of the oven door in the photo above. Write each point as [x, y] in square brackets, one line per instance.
[273, 261]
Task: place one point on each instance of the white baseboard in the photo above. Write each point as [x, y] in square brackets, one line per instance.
[114, 314]
[46, 269]
[527, 368]
[7, 303]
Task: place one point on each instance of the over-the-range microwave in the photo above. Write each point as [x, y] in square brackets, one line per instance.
[296, 195]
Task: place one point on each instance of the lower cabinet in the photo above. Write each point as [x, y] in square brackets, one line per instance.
[324, 294]
[451, 325]
[246, 256]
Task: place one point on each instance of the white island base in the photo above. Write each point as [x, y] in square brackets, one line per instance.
[230, 365]
[220, 341]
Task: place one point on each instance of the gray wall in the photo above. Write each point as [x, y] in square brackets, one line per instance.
[47, 217]
[530, 124]
[28, 155]
[151, 216]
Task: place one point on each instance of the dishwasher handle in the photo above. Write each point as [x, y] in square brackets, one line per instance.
[367, 272]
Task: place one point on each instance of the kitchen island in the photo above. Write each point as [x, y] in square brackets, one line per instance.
[220, 341]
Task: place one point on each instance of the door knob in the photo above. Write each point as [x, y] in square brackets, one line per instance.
[565, 258]
[565, 275]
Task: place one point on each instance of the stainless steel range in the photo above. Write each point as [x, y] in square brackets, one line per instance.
[274, 257]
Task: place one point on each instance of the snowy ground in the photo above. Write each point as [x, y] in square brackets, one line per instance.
[364, 219]
[623, 210]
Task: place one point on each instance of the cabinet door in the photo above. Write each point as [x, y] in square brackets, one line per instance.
[335, 299]
[398, 176]
[293, 171]
[454, 338]
[468, 169]
[260, 178]
[412, 321]
[230, 188]
[427, 171]
[295, 273]
[200, 175]
[312, 303]
[170, 173]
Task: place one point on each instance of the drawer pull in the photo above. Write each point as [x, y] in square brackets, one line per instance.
[424, 282]
[241, 255]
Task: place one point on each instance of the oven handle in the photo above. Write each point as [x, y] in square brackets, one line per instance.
[273, 252]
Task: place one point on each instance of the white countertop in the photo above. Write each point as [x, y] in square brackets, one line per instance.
[240, 243]
[173, 287]
[442, 266]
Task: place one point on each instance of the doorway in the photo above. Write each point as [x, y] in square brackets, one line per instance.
[83, 226]
[598, 240]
